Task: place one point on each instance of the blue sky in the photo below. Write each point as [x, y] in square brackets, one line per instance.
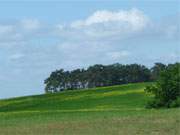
[39, 37]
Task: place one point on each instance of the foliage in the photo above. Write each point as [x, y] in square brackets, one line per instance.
[156, 70]
[96, 76]
[166, 91]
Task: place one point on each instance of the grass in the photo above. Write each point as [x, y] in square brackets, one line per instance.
[100, 111]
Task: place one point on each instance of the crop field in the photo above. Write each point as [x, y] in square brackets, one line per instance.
[116, 110]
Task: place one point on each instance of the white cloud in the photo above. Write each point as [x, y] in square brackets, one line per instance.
[96, 39]
[105, 24]
[5, 29]
[8, 33]
[30, 24]
[105, 36]
[21, 30]
[134, 19]
[118, 54]
[119, 25]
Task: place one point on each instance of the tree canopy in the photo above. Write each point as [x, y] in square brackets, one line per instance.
[100, 75]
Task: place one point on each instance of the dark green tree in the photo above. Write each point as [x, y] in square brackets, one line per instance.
[55, 82]
[101, 75]
[166, 91]
[156, 70]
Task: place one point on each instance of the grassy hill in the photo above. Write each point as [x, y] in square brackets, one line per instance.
[105, 110]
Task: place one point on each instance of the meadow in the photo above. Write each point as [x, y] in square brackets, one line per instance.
[100, 111]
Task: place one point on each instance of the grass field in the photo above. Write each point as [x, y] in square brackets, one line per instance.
[100, 111]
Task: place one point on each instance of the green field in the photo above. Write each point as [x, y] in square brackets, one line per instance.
[100, 111]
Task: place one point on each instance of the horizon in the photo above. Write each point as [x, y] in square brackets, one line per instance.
[85, 69]
[37, 38]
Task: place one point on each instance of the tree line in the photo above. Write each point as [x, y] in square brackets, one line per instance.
[101, 75]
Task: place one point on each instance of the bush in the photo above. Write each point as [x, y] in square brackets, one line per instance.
[175, 103]
[166, 90]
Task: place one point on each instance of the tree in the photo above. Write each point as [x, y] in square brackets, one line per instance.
[55, 82]
[96, 75]
[101, 75]
[156, 70]
[166, 91]
[137, 73]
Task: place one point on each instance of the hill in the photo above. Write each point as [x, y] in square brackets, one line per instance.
[104, 110]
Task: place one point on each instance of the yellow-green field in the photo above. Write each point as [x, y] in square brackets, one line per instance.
[100, 111]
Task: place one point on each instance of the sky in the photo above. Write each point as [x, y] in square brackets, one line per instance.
[38, 37]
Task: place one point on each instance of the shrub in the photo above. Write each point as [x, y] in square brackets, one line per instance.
[166, 90]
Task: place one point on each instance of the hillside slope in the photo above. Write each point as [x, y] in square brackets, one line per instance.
[117, 110]
[130, 96]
